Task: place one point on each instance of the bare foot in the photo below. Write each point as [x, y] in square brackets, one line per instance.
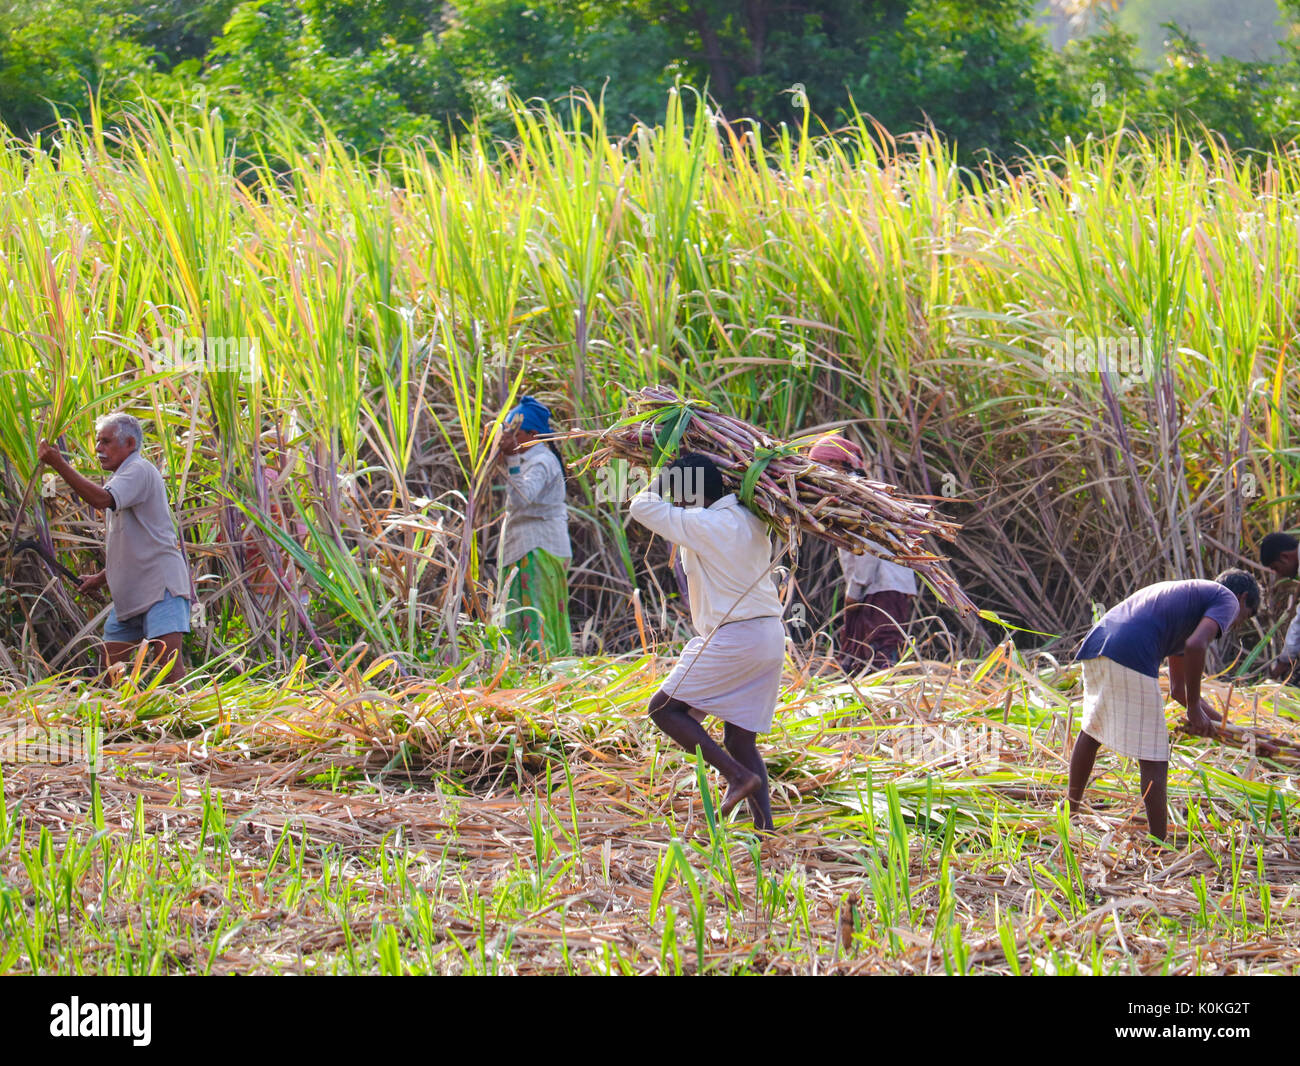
[739, 790]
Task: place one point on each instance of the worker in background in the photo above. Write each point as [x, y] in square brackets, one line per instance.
[879, 595]
[267, 576]
[1278, 551]
[535, 537]
[144, 567]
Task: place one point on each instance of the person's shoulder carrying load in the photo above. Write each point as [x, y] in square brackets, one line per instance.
[784, 485]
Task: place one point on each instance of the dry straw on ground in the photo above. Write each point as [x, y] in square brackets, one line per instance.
[537, 825]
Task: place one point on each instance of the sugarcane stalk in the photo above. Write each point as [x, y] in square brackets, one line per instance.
[1264, 744]
[794, 492]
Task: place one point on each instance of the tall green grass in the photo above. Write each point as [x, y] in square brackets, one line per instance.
[795, 278]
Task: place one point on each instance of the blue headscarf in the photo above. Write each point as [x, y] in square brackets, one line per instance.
[536, 416]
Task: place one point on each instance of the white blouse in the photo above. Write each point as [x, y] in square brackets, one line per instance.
[536, 513]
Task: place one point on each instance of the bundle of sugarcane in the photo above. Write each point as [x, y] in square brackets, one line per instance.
[1255, 741]
[782, 485]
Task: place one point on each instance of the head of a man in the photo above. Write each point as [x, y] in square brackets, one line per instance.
[1277, 551]
[694, 480]
[116, 437]
[1245, 588]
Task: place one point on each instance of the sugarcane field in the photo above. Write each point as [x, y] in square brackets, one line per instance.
[707, 548]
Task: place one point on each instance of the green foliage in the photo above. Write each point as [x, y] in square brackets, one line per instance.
[753, 54]
[798, 282]
[174, 31]
[543, 49]
[1243, 29]
[1103, 70]
[1249, 103]
[371, 70]
[53, 55]
[379, 72]
[980, 72]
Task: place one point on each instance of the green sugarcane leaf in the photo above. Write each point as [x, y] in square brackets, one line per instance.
[669, 438]
[992, 616]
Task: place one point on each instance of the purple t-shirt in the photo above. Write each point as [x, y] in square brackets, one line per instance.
[1156, 621]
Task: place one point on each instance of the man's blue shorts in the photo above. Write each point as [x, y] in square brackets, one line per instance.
[171, 614]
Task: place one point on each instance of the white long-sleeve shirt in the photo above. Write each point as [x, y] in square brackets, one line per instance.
[1291, 646]
[536, 514]
[866, 574]
[726, 553]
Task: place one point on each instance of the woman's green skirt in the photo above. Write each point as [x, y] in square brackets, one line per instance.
[537, 604]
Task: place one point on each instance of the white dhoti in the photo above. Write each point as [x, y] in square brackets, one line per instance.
[1124, 710]
[734, 673]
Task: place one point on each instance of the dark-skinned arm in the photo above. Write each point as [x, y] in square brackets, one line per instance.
[1176, 689]
[1200, 717]
[93, 582]
[95, 495]
[1282, 666]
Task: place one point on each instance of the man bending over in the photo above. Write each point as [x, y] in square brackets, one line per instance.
[1122, 706]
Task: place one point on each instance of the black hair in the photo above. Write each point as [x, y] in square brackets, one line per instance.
[697, 472]
[1238, 582]
[1272, 546]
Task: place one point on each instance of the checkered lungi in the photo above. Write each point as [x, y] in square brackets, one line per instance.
[734, 673]
[1124, 710]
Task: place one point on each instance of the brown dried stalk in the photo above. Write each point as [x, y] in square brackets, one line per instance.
[848, 510]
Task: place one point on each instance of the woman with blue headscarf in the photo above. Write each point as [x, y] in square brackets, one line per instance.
[535, 545]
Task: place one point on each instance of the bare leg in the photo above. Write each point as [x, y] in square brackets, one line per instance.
[164, 652]
[674, 718]
[117, 651]
[167, 656]
[742, 745]
[1081, 760]
[1154, 776]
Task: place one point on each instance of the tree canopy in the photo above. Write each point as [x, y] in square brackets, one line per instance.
[982, 71]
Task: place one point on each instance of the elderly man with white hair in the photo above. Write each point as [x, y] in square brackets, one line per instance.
[144, 568]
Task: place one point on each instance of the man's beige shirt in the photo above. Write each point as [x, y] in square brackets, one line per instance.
[144, 559]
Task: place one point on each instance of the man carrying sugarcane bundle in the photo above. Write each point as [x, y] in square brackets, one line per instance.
[144, 567]
[732, 668]
[535, 538]
[878, 594]
[1278, 551]
[1123, 708]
